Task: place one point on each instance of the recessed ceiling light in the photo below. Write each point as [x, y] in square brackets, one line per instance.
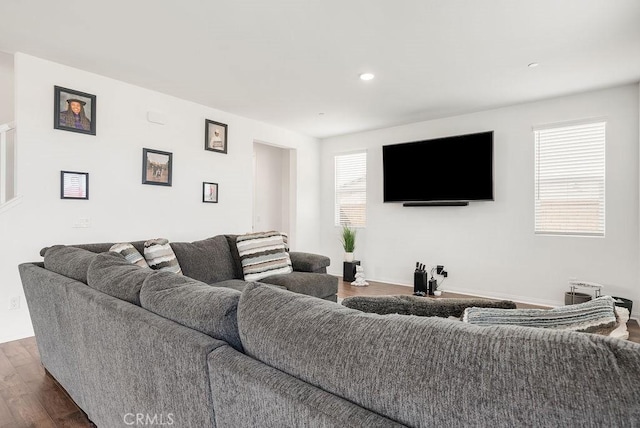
[366, 76]
[533, 65]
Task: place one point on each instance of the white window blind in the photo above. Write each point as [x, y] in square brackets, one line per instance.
[351, 189]
[570, 180]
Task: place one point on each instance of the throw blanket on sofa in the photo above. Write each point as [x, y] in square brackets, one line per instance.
[594, 316]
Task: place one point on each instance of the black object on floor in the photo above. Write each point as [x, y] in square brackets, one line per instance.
[349, 270]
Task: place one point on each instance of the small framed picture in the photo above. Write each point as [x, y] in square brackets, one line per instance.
[74, 111]
[74, 185]
[156, 167]
[215, 136]
[210, 192]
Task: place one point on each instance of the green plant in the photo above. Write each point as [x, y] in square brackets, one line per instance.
[348, 239]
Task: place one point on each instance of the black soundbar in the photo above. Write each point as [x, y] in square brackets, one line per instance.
[436, 204]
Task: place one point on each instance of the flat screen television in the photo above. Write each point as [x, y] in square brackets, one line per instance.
[450, 169]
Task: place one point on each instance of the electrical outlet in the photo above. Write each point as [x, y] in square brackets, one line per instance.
[14, 303]
[439, 269]
[445, 273]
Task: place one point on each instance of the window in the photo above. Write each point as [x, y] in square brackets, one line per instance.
[351, 189]
[569, 179]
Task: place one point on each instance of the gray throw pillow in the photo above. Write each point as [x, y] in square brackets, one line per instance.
[208, 260]
[210, 310]
[112, 274]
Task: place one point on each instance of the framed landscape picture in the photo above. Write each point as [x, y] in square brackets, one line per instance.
[215, 136]
[74, 111]
[210, 192]
[156, 167]
[74, 185]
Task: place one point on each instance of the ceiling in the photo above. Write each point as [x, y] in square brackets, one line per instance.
[295, 63]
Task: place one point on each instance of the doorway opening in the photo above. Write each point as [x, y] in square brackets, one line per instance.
[273, 188]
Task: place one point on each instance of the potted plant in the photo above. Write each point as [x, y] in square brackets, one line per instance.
[348, 240]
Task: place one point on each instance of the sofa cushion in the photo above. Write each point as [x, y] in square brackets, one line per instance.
[208, 260]
[594, 316]
[101, 247]
[112, 274]
[320, 285]
[420, 306]
[263, 254]
[308, 262]
[130, 253]
[439, 372]
[160, 255]
[68, 261]
[237, 264]
[194, 304]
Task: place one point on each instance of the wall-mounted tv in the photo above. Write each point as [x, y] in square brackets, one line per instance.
[450, 169]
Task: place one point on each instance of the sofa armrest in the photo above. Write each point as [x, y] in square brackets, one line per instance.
[308, 262]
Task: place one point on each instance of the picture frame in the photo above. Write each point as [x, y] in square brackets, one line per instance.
[74, 185]
[157, 167]
[215, 136]
[210, 192]
[74, 111]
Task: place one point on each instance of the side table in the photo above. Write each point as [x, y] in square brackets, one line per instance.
[349, 270]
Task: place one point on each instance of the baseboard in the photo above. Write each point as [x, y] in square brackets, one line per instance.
[486, 295]
[489, 295]
[506, 296]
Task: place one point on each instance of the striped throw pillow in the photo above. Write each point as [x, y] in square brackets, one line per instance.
[160, 255]
[130, 253]
[595, 316]
[263, 254]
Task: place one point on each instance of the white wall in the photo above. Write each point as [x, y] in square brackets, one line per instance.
[120, 207]
[489, 248]
[6, 88]
[271, 194]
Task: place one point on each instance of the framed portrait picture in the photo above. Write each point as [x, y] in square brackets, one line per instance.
[215, 136]
[74, 185]
[74, 111]
[156, 167]
[210, 192]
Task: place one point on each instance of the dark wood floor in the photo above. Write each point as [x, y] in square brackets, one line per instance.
[29, 397]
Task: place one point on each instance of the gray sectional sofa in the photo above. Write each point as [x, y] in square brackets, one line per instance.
[125, 341]
[214, 261]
